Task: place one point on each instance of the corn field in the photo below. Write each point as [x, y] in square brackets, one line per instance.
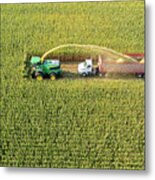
[80, 123]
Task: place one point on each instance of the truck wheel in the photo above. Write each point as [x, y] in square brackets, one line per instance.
[52, 77]
[39, 77]
[100, 74]
[96, 71]
[84, 74]
[139, 75]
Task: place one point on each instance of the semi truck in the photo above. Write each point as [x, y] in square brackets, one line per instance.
[87, 68]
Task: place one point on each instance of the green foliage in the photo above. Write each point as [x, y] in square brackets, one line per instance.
[91, 124]
[82, 123]
[35, 28]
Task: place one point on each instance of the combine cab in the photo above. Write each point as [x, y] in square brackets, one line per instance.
[47, 69]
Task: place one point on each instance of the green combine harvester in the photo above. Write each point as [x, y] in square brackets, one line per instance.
[48, 68]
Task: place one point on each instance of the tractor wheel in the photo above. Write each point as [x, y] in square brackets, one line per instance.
[52, 77]
[39, 77]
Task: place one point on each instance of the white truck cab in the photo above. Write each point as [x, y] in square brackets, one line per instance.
[85, 68]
